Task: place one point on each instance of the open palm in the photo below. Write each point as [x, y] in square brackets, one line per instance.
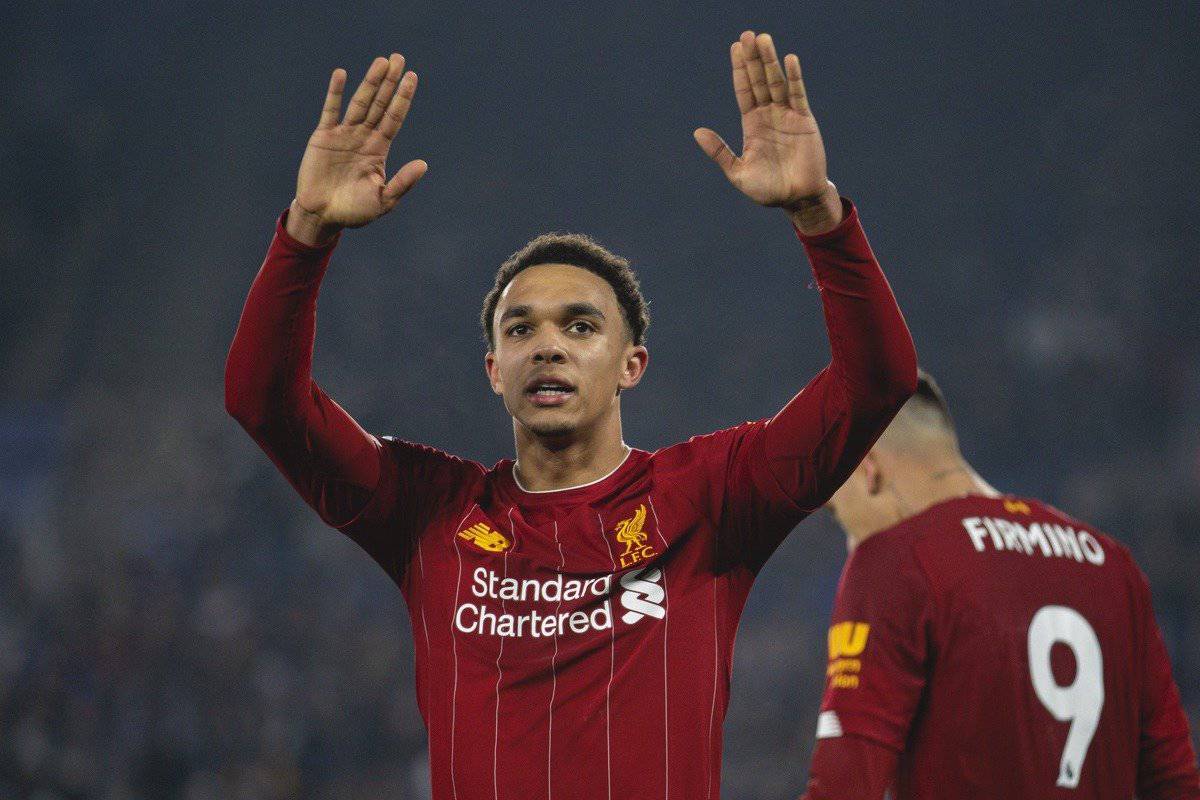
[783, 158]
[343, 175]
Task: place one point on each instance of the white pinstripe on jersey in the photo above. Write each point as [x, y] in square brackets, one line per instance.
[612, 668]
[562, 560]
[454, 641]
[666, 622]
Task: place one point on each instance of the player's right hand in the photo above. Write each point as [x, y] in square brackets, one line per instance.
[343, 179]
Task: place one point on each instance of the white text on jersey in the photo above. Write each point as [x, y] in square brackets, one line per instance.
[1052, 541]
[642, 597]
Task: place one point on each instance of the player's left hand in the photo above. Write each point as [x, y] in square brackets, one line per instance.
[783, 158]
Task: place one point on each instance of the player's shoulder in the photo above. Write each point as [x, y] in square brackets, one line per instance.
[940, 534]
[697, 468]
[891, 551]
[717, 446]
[971, 525]
[927, 527]
[884, 575]
[1049, 510]
[1115, 551]
[428, 461]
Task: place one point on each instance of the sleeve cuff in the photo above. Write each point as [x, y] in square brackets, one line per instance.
[848, 224]
[833, 724]
[300, 248]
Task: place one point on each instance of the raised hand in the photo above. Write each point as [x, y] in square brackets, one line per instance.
[783, 158]
[343, 179]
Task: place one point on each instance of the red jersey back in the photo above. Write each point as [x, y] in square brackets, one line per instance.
[1006, 650]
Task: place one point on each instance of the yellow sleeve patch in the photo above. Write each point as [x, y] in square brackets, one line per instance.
[847, 640]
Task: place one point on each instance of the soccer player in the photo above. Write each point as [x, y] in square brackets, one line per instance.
[573, 609]
[985, 645]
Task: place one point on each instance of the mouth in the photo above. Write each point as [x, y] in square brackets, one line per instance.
[546, 392]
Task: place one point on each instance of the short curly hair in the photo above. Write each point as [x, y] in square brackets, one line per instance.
[578, 250]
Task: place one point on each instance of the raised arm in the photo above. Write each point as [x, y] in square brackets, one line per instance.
[332, 462]
[813, 444]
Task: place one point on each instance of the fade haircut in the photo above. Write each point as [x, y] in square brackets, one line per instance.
[926, 413]
[929, 400]
[578, 250]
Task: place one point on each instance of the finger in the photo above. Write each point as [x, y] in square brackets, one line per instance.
[776, 83]
[397, 110]
[386, 89]
[333, 99]
[404, 179]
[754, 67]
[741, 79]
[797, 98]
[715, 148]
[361, 101]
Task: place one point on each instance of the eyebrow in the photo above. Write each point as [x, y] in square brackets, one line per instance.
[569, 310]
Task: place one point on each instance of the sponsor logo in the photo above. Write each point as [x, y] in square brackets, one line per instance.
[847, 640]
[643, 595]
[1017, 507]
[492, 620]
[631, 533]
[478, 618]
[491, 612]
[485, 538]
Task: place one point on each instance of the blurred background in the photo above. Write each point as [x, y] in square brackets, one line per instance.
[175, 623]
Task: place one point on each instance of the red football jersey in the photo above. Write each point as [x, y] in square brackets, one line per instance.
[576, 643]
[1005, 650]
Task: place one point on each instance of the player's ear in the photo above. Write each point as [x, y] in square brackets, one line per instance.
[872, 473]
[637, 358]
[493, 373]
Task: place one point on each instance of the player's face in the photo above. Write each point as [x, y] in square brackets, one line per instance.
[562, 350]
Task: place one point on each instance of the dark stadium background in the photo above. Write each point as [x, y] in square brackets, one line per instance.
[174, 623]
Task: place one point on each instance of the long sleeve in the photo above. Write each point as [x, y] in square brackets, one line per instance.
[332, 462]
[789, 465]
[819, 437]
[1167, 768]
[850, 768]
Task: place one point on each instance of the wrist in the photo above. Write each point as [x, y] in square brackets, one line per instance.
[816, 215]
[308, 228]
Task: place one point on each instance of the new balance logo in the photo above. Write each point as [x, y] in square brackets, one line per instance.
[642, 595]
[486, 538]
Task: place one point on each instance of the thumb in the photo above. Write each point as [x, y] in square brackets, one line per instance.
[405, 179]
[716, 149]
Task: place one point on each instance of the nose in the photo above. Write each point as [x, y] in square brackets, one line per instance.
[549, 353]
[548, 349]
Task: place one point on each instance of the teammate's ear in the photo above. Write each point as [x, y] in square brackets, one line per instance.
[637, 358]
[872, 473]
[493, 373]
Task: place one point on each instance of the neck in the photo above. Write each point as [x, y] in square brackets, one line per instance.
[550, 463]
[921, 486]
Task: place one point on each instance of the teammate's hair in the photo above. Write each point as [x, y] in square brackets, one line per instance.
[578, 250]
[927, 408]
